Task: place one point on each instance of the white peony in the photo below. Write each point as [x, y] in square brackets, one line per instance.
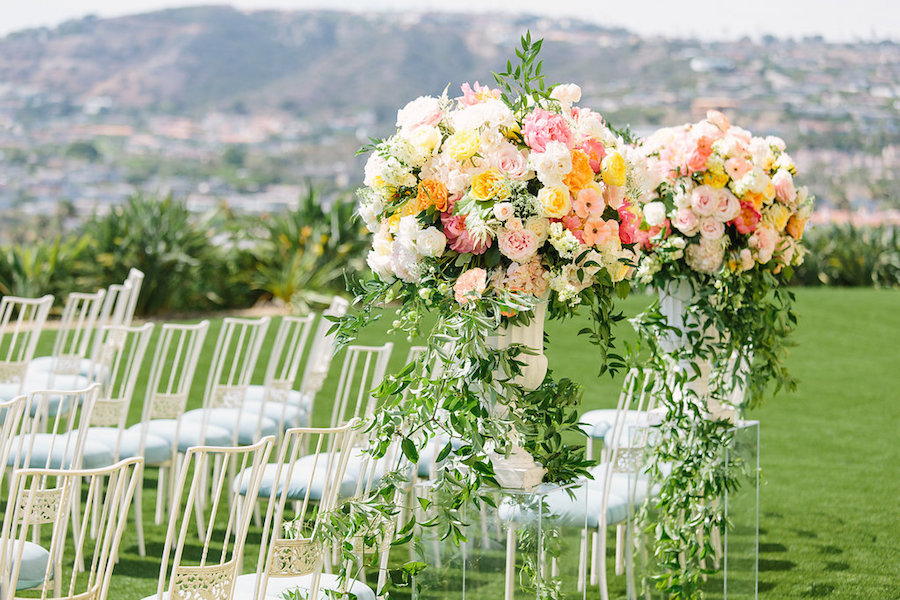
[566, 93]
[424, 110]
[431, 242]
[654, 213]
[553, 164]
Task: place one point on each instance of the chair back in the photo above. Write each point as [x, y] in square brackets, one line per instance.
[122, 354]
[136, 280]
[172, 370]
[79, 558]
[21, 322]
[76, 326]
[234, 358]
[287, 352]
[11, 413]
[322, 348]
[211, 570]
[292, 544]
[363, 370]
[53, 429]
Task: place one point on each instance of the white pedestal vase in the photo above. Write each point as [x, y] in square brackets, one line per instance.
[519, 470]
[674, 301]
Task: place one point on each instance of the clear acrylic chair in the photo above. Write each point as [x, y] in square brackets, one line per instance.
[294, 551]
[73, 564]
[233, 361]
[211, 570]
[21, 323]
[71, 345]
[276, 398]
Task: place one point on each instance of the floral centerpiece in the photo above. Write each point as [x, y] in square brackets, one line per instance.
[718, 237]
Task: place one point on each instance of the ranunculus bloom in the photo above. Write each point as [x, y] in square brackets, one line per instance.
[431, 193]
[748, 220]
[581, 174]
[471, 283]
[589, 201]
[543, 126]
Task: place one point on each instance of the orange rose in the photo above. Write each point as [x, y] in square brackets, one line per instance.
[581, 174]
[755, 199]
[431, 193]
[795, 227]
[488, 185]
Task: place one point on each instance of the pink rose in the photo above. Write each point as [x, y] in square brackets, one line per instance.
[748, 219]
[784, 187]
[509, 160]
[598, 232]
[614, 196]
[588, 201]
[472, 282]
[711, 228]
[686, 222]
[517, 244]
[728, 206]
[704, 200]
[737, 167]
[541, 127]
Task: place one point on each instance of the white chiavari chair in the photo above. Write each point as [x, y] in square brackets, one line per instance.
[71, 565]
[21, 323]
[210, 571]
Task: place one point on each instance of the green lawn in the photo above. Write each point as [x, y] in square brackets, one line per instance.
[830, 453]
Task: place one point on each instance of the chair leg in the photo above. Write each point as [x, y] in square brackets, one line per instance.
[582, 560]
[620, 549]
[594, 561]
[601, 551]
[160, 494]
[139, 519]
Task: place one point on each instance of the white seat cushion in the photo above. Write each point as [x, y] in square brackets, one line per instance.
[156, 449]
[246, 587]
[231, 419]
[256, 393]
[189, 435]
[49, 450]
[33, 566]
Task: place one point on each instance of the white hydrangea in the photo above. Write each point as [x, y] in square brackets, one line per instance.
[562, 239]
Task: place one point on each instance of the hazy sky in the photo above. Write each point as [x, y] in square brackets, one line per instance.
[835, 19]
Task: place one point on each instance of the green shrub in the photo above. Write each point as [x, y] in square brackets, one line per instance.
[845, 255]
[302, 254]
[44, 267]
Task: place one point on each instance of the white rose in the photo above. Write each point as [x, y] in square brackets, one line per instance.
[503, 210]
[380, 265]
[654, 213]
[431, 242]
[539, 227]
[425, 138]
[566, 93]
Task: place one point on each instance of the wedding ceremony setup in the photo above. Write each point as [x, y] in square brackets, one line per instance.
[290, 458]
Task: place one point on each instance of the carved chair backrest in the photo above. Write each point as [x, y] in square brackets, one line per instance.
[76, 326]
[233, 360]
[21, 322]
[363, 370]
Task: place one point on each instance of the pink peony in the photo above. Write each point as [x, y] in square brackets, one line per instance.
[472, 282]
[517, 244]
[748, 219]
[458, 237]
[541, 127]
[588, 201]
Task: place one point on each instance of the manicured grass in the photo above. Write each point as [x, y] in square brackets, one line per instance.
[830, 455]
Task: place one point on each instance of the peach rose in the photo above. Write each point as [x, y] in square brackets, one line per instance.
[471, 283]
[711, 228]
[686, 222]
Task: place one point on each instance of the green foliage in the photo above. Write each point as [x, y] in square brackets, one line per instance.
[847, 255]
[44, 267]
[304, 253]
[160, 237]
[524, 84]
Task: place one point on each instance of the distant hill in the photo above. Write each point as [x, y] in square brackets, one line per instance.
[197, 58]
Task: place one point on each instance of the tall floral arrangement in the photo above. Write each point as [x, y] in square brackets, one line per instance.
[482, 207]
[718, 236]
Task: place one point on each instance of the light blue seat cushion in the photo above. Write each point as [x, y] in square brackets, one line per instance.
[256, 393]
[246, 587]
[597, 423]
[189, 435]
[156, 449]
[310, 473]
[33, 565]
[294, 416]
[49, 451]
[231, 419]
[86, 368]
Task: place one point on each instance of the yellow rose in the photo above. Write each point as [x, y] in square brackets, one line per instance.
[769, 192]
[555, 202]
[795, 227]
[715, 179]
[488, 185]
[777, 216]
[612, 169]
[462, 145]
